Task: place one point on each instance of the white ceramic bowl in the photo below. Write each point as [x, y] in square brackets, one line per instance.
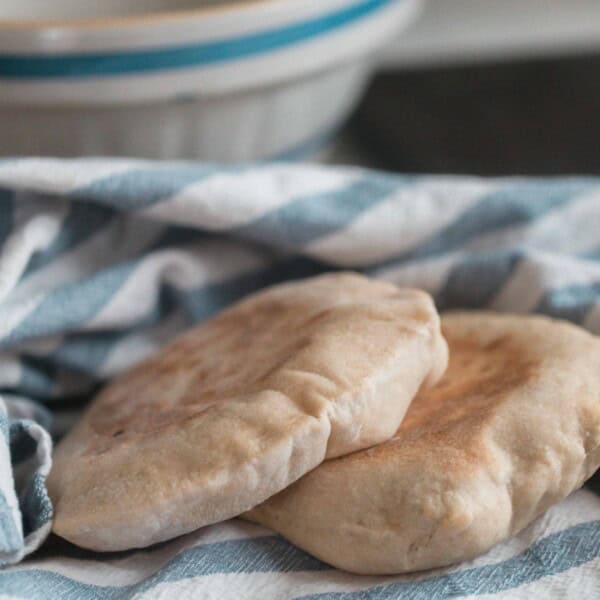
[223, 81]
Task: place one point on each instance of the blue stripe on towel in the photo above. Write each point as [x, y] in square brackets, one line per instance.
[6, 213]
[73, 304]
[22, 444]
[36, 505]
[80, 224]
[475, 281]
[140, 188]
[257, 555]
[571, 302]
[37, 376]
[516, 203]
[549, 556]
[307, 218]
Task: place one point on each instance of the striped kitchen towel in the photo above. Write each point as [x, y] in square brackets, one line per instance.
[102, 261]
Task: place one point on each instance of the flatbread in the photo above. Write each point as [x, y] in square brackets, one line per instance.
[512, 427]
[243, 405]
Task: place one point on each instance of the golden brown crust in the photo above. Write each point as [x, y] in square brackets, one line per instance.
[511, 428]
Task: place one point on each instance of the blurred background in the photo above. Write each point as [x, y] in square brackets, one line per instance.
[493, 87]
[459, 86]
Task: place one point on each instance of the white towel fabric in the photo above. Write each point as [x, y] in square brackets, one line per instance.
[102, 261]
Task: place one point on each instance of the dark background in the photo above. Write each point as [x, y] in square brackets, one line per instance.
[526, 117]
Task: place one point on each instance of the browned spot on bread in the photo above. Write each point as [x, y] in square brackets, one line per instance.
[479, 377]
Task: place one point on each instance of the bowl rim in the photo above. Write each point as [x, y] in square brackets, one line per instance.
[150, 18]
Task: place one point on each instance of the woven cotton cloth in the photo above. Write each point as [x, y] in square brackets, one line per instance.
[103, 261]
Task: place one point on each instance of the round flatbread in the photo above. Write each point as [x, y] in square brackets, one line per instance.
[511, 428]
[243, 405]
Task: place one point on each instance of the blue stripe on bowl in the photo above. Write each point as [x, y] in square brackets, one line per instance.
[24, 66]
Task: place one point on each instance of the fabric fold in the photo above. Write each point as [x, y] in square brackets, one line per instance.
[102, 261]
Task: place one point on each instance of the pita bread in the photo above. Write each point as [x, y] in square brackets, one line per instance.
[512, 427]
[243, 405]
